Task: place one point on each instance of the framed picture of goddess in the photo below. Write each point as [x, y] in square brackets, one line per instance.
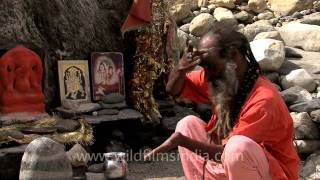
[107, 74]
[74, 80]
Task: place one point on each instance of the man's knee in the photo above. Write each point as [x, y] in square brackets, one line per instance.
[238, 149]
[186, 123]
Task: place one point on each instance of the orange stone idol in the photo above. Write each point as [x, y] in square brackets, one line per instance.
[20, 81]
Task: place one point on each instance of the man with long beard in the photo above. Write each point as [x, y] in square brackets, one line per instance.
[250, 133]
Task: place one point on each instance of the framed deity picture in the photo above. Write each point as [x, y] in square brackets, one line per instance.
[107, 74]
[74, 80]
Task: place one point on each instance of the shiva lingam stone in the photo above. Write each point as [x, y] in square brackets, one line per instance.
[20, 81]
[45, 159]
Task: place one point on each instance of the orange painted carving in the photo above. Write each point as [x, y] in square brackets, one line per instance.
[20, 81]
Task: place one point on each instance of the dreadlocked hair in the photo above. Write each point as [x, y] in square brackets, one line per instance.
[227, 37]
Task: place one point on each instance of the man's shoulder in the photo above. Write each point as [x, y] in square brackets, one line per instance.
[265, 93]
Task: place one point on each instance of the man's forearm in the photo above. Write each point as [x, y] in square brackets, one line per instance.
[211, 151]
[176, 81]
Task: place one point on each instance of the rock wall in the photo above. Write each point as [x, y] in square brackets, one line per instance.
[68, 29]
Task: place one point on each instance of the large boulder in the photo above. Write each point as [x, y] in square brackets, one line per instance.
[251, 30]
[63, 29]
[307, 146]
[298, 77]
[307, 106]
[269, 35]
[266, 15]
[180, 11]
[257, 6]
[315, 116]
[295, 95]
[225, 16]
[304, 127]
[182, 39]
[303, 36]
[201, 24]
[193, 4]
[313, 19]
[242, 16]
[269, 53]
[287, 7]
[310, 169]
[300, 59]
[223, 3]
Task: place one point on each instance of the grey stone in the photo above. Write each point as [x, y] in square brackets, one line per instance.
[269, 35]
[310, 61]
[251, 30]
[304, 127]
[269, 53]
[187, 20]
[67, 125]
[121, 105]
[83, 108]
[180, 12]
[125, 114]
[310, 169]
[196, 13]
[201, 24]
[225, 16]
[230, 4]
[185, 28]
[242, 16]
[15, 134]
[212, 7]
[292, 53]
[300, 35]
[20, 117]
[78, 156]
[297, 15]
[68, 104]
[182, 39]
[96, 168]
[287, 7]
[296, 95]
[307, 146]
[113, 98]
[313, 19]
[306, 106]
[315, 116]
[274, 21]
[205, 10]
[299, 77]
[266, 15]
[257, 6]
[106, 112]
[272, 76]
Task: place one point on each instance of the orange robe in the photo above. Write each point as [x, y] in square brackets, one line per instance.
[264, 118]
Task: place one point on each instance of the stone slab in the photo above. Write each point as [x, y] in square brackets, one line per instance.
[125, 114]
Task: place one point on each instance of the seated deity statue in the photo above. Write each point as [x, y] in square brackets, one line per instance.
[20, 81]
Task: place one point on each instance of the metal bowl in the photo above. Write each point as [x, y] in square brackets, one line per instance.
[116, 166]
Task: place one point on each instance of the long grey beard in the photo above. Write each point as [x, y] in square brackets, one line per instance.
[224, 90]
